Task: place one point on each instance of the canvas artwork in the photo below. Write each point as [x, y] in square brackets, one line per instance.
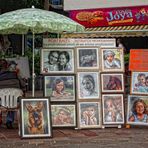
[63, 115]
[89, 115]
[88, 85]
[137, 110]
[112, 82]
[139, 83]
[60, 87]
[87, 57]
[57, 60]
[112, 59]
[35, 118]
[113, 109]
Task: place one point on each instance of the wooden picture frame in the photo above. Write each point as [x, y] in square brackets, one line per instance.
[113, 109]
[57, 60]
[87, 58]
[112, 59]
[112, 82]
[137, 110]
[60, 88]
[35, 117]
[139, 83]
[63, 115]
[88, 85]
[89, 114]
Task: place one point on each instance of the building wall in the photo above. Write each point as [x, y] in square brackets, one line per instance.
[89, 4]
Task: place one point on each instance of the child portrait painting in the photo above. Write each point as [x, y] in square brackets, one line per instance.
[55, 60]
[35, 118]
[87, 58]
[112, 59]
[113, 109]
[60, 87]
[88, 85]
[63, 115]
[137, 112]
[89, 115]
[112, 82]
[139, 83]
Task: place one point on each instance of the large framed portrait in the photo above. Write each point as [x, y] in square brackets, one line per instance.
[89, 115]
[113, 109]
[87, 58]
[57, 60]
[112, 82]
[139, 83]
[112, 59]
[63, 115]
[35, 117]
[137, 110]
[88, 85]
[60, 87]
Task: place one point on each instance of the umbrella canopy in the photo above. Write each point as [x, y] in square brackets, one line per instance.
[37, 21]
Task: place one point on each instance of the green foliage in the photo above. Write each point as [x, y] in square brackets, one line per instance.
[126, 58]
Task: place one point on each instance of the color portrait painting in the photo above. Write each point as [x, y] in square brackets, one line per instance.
[112, 59]
[112, 82]
[113, 109]
[60, 87]
[139, 83]
[137, 110]
[35, 118]
[63, 115]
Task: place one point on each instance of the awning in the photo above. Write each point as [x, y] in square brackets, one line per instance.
[116, 31]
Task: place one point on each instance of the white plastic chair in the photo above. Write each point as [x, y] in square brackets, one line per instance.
[8, 98]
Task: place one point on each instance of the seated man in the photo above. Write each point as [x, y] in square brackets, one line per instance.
[9, 79]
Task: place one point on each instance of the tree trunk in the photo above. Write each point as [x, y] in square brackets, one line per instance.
[46, 4]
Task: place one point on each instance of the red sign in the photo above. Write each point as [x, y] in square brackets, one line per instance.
[138, 60]
[111, 16]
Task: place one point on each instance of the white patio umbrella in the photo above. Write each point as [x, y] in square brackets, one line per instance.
[37, 21]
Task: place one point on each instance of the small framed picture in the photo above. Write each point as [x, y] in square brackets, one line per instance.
[87, 58]
[89, 115]
[60, 87]
[63, 115]
[112, 59]
[113, 109]
[139, 83]
[88, 85]
[35, 118]
[112, 82]
[137, 110]
[57, 60]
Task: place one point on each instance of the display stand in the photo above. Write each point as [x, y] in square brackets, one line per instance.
[117, 126]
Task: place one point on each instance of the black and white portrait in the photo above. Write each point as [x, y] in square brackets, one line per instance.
[88, 85]
[55, 60]
[87, 57]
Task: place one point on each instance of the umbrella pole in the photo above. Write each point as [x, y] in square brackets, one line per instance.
[33, 74]
[23, 38]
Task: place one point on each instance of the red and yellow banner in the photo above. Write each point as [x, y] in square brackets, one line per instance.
[111, 16]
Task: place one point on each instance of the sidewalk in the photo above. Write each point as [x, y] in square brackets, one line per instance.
[136, 137]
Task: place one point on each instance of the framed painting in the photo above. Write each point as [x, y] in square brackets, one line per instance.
[112, 59]
[89, 115]
[137, 110]
[112, 82]
[60, 87]
[88, 85]
[87, 58]
[139, 83]
[63, 115]
[113, 109]
[57, 60]
[35, 118]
